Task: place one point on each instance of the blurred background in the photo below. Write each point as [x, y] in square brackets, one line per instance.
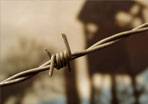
[114, 75]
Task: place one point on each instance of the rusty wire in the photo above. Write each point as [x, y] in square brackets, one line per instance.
[59, 60]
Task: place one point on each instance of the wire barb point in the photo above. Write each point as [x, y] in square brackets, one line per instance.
[68, 50]
[51, 66]
[49, 55]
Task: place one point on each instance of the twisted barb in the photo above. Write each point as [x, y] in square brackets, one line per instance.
[59, 60]
[62, 59]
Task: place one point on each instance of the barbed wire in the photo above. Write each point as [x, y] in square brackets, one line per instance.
[62, 59]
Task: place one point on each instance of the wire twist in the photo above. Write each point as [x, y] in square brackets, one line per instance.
[62, 59]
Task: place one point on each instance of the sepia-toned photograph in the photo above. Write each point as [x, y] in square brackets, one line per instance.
[73, 51]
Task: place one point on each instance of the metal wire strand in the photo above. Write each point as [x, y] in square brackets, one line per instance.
[62, 59]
